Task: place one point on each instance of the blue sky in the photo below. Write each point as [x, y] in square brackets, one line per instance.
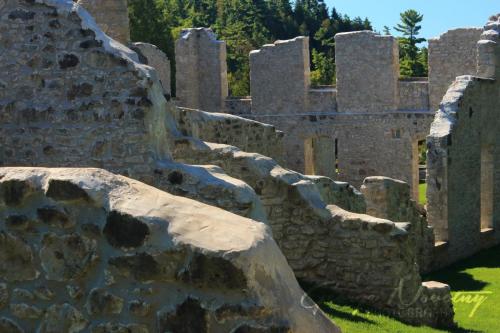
[439, 15]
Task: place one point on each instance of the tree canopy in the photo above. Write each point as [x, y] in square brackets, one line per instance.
[413, 61]
[246, 25]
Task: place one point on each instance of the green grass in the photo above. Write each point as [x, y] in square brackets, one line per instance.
[480, 273]
[422, 189]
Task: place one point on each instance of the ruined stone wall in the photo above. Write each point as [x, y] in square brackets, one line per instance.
[239, 106]
[201, 70]
[322, 100]
[391, 199]
[450, 55]
[363, 258]
[248, 135]
[111, 16]
[414, 95]
[152, 56]
[79, 99]
[463, 190]
[65, 92]
[104, 93]
[84, 250]
[367, 144]
[367, 66]
[279, 77]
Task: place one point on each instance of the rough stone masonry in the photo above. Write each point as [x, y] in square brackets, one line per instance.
[84, 100]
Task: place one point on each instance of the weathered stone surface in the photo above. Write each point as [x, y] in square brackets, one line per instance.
[16, 259]
[201, 70]
[461, 161]
[139, 308]
[4, 295]
[152, 56]
[125, 231]
[218, 273]
[186, 253]
[65, 191]
[9, 326]
[67, 257]
[111, 16]
[452, 54]
[55, 217]
[101, 302]
[268, 66]
[189, 316]
[367, 67]
[25, 311]
[13, 192]
[62, 318]
[390, 199]
[320, 240]
[119, 328]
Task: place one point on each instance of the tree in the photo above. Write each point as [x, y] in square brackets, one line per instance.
[324, 74]
[245, 25]
[409, 51]
[409, 25]
[387, 30]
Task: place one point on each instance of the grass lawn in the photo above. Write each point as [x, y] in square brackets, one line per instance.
[422, 188]
[480, 273]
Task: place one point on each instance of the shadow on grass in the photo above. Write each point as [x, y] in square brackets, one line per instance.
[350, 316]
[322, 296]
[460, 280]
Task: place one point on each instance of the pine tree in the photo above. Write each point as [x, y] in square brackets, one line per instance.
[410, 28]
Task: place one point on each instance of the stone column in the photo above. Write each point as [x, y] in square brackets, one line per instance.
[450, 55]
[201, 70]
[280, 77]
[367, 66]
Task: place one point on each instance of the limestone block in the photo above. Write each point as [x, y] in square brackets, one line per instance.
[176, 252]
[111, 16]
[452, 54]
[201, 70]
[151, 55]
[367, 67]
[279, 77]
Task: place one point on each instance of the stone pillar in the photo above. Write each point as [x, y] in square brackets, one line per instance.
[111, 16]
[450, 55]
[151, 55]
[367, 66]
[280, 77]
[488, 50]
[201, 70]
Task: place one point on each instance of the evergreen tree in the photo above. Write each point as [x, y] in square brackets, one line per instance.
[409, 52]
[245, 25]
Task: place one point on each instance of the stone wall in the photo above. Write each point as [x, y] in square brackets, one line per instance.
[365, 259]
[151, 55]
[391, 199]
[248, 135]
[57, 114]
[463, 162]
[279, 77]
[367, 66]
[239, 106]
[414, 95]
[84, 250]
[201, 70]
[366, 144]
[68, 93]
[79, 99]
[111, 16]
[450, 55]
[322, 100]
